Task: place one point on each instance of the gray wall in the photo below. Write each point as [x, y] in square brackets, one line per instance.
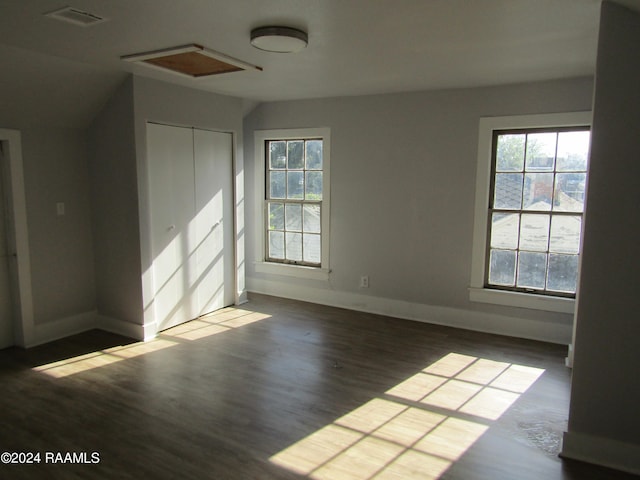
[403, 170]
[114, 198]
[119, 183]
[62, 273]
[606, 383]
[54, 151]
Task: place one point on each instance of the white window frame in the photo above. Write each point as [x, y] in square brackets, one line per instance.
[300, 271]
[477, 290]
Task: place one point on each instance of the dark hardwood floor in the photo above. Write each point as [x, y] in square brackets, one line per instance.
[278, 389]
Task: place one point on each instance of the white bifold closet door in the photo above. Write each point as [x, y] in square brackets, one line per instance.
[191, 207]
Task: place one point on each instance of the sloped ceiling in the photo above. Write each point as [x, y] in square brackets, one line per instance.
[63, 73]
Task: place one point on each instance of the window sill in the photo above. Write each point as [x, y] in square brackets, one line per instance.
[298, 271]
[522, 300]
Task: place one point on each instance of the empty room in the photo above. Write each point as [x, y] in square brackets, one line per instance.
[319, 239]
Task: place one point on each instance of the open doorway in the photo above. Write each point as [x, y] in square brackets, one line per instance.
[6, 294]
[16, 308]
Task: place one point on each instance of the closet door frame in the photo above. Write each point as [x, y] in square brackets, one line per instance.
[153, 322]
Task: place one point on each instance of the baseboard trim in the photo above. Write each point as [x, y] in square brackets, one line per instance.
[64, 327]
[126, 329]
[447, 316]
[601, 451]
[83, 322]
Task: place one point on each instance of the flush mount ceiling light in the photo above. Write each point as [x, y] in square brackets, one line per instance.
[279, 39]
[191, 60]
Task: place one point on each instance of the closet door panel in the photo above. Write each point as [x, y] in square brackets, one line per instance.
[172, 207]
[213, 220]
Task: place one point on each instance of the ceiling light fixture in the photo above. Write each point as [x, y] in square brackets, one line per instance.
[279, 39]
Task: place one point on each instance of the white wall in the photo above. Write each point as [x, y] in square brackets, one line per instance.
[402, 197]
[604, 420]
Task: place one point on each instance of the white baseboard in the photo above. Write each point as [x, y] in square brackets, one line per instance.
[601, 451]
[569, 360]
[452, 317]
[127, 329]
[57, 329]
[65, 327]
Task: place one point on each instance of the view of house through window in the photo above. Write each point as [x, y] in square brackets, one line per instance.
[294, 201]
[536, 207]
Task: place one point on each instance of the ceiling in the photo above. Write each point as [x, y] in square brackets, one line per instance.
[356, 47]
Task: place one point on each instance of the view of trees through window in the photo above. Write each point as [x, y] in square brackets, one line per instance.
[294, 201]
[536, 207]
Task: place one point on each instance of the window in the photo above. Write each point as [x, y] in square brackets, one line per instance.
[295, 175]
[535, 211]
[294, 201]
[533, 206]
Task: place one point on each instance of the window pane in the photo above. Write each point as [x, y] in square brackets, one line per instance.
[534, 232]
[295, 185]
[277, 186]
[565, 234]
[314, 155]
[276, 245]
[573, 151]
[311, 248]
[295, 150]
[502, 267]
[294, 217]
[294, 195]
[538, 197]
[563, 273]
[569, 194]
[508, 191]
[277, 154]
[313, 186]
[532, 268]
[541, 152]
[510, 153]
[276, 216]
[311, 218]
[504, 230]
[538, 188]
[294, 246]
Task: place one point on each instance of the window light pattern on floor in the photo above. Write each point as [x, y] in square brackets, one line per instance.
[420, 427]
[102, 358]
[220, 321]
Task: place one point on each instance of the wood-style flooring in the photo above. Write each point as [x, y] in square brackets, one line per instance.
[279, 389]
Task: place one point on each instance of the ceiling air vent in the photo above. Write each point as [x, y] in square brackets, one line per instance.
[76, 16]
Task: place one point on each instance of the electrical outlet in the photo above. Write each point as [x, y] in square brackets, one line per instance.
[364, 281]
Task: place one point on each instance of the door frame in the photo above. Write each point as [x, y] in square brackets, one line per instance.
[151, 326]
[18, 241]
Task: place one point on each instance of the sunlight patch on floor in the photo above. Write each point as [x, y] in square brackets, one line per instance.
[220, 321]
[419, 429]
[101, 358]
[217, 322]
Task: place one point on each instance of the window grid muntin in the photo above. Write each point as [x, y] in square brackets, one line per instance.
[551, 212]
[294, 201]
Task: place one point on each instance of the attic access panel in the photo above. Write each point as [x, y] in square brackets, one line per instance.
[191, 60]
